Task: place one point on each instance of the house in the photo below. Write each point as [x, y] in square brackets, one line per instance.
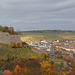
[48, 50]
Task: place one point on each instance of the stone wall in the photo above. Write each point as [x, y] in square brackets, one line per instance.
[15, 38]
[5, 37]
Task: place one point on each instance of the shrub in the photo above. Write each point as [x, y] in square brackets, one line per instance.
[6, 72]
[44, 56]
[52, 62]
[16, 45]
[12, 45]
[17, 70]
[20, 45]
[20, 71]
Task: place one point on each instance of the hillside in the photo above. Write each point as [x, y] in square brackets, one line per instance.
[5, 50]
[47, 34]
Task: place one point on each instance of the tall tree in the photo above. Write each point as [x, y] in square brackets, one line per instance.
[5, 29]
[0, 27]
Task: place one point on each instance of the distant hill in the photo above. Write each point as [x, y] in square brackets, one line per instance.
[47, 34]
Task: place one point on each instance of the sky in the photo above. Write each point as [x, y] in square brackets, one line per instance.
[26, 15]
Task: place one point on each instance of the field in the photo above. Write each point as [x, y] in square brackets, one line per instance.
[5, 50]
[48, 35]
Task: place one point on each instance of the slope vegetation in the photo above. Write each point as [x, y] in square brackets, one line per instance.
[5, 50]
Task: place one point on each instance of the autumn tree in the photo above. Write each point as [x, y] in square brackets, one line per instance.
[20, 45]
[12, 44]
[0, 27]
[20, 70]
[17, 70]
[5, 29]
[66, 73]
[47, 68]
[16, 45]
[62, 73]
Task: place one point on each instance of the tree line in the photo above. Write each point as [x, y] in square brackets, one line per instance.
[7, 29]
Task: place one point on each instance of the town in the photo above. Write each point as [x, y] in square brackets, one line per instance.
[56, 50]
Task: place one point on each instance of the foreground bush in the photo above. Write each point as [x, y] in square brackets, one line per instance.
[12, 45]
[44, 56]
[15, 45]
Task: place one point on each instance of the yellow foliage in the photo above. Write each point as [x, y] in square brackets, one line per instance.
[11, 44]
[45, 67]
[63, 73]
[57, 49]
[16, 45]
[69, 72]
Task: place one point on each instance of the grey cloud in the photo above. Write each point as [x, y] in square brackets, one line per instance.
[38, 14]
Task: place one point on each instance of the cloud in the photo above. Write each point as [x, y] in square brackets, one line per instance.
[38, 14]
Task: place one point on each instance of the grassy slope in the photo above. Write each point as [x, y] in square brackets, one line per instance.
[47, 35]
[18, 52]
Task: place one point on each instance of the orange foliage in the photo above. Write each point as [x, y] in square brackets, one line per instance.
[18, 70]
[15, 45]
[20, 45]
[18, 62]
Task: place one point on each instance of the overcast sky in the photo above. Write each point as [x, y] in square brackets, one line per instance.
[38, 14]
